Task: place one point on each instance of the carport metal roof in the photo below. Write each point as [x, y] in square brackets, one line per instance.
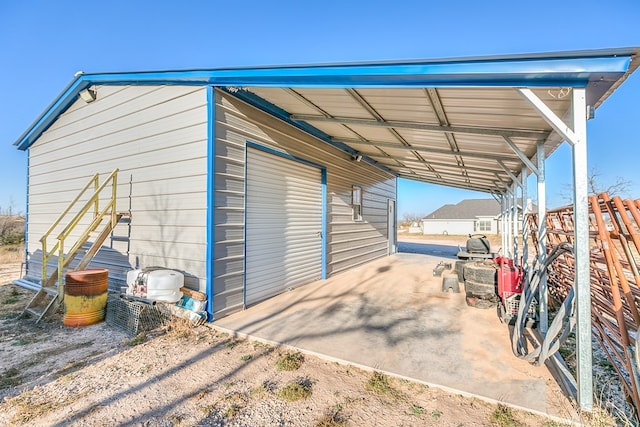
[464, 122]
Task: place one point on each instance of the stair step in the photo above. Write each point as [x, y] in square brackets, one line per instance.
[27, 284]
[33, 312]
[120, 238]
[125, 220]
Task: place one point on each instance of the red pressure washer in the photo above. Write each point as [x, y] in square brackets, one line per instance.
[510, 287]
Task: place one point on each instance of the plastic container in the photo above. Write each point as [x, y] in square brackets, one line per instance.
[164, 280]
[159, 285]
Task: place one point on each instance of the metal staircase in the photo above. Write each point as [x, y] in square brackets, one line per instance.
[101, 222]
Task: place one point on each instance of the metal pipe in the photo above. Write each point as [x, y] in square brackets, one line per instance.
[525, 205]
[514, 219]
[543, 294]
[503, 236]
[584, 352]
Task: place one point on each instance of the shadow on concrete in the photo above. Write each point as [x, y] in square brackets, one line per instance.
[439, 250]
[392, 315]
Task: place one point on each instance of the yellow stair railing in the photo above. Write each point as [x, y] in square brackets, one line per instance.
[98, 215]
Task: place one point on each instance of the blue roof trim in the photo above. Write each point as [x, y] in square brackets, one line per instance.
[385, 75]
[56, 108]
[569, 70]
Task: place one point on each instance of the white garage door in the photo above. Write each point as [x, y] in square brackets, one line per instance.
[283, 225]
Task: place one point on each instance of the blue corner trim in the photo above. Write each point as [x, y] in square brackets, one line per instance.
[323, 174]
[26, 218]
[211, 197]
[324, 223]
[51, 113]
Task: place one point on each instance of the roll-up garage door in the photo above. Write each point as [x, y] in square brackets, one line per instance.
[283, 225]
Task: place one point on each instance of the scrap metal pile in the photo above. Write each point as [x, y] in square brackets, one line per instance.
[615, 281]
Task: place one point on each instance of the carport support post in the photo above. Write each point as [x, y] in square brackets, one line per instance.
[514, 220]
[577, 137]
[542, 238]
[503, 231]
[582, 281]
[510, 243]
[507, 225]
[523, 223]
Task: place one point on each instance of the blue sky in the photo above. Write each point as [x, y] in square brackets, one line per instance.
[43, 43]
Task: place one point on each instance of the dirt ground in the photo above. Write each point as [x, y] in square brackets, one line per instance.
[52, 375]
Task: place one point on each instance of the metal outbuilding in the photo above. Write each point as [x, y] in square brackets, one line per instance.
[206, 153]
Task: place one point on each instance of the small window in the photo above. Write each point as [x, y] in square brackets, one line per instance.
[356, 202]
[483, 226]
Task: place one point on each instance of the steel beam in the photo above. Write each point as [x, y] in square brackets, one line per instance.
[507, 245]
[520, 154]
[503, 234]
[514, 219]
[441, 164]
[420, 126]
[464, 186]
[453, 177]
[513, 177]
[523, 224]
[582, 281]
[456, 176]
[550, 117]
[543, 295]
[476, 154]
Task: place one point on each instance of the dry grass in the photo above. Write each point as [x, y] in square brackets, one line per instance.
[380, 383]
[11, 253]
[333, 418]
[179, 328]
[296, 390]
[34, 404]
[290, 361]
[503, 416]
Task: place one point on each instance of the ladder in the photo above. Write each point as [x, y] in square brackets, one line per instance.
[50, 293]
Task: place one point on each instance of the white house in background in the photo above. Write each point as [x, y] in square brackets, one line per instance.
[467, 217]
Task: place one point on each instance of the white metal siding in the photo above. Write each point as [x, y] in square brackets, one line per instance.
[283, 225]
[156, 136]
[349, 243]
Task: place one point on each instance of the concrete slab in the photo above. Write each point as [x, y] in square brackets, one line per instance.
[391, 315]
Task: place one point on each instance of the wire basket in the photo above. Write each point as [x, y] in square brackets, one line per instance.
[133, 317]
[512, 305]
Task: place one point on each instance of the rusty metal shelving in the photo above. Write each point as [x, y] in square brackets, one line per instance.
[614, 234]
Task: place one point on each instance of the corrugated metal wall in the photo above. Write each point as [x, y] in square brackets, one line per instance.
[349, 243]
[283, 225]
[156, 136]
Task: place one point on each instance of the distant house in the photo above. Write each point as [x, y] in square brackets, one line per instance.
[468, 216]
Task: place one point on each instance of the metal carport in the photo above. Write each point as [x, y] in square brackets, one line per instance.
[476, 123]
[481, 123]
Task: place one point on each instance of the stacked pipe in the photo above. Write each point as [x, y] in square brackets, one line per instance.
[615, 280]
